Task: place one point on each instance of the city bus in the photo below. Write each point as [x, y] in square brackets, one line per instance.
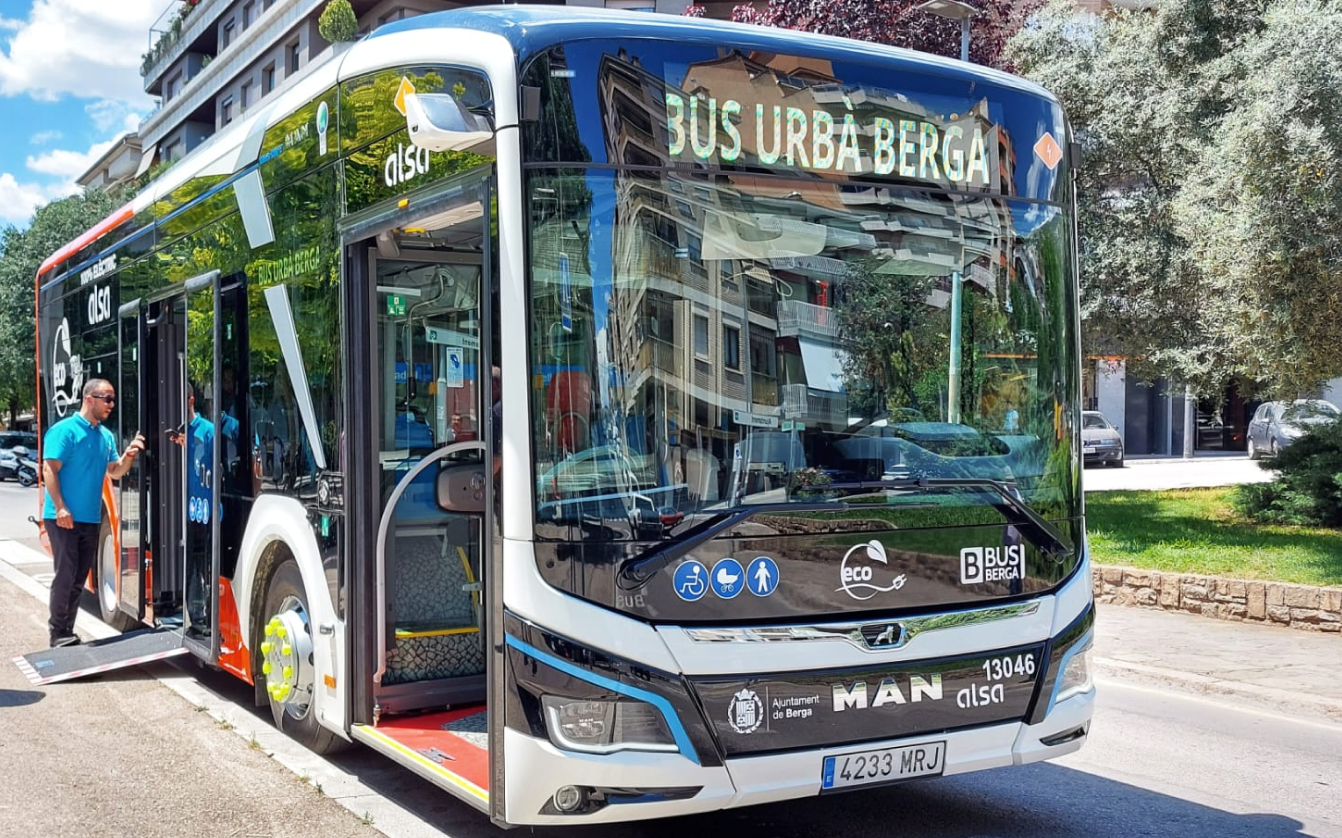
[606, 416]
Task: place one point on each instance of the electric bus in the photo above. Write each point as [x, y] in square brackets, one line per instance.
[604, 415]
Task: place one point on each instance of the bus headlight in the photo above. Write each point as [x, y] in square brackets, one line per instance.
[1076, 676]
[602, 727]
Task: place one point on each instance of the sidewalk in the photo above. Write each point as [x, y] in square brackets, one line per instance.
[1280, 669]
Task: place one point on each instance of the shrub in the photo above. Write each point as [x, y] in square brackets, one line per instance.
[337, 22]
[1308, 487]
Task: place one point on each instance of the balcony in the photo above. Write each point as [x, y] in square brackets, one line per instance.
[174, 34]
[796, 318]
[817, 407]
[763, 390]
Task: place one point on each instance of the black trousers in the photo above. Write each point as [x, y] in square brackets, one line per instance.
[73, 551]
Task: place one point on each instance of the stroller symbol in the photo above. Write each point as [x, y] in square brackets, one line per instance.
[691, 581]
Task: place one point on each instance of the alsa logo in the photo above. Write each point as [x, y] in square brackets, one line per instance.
[992, 564]
[406, 162]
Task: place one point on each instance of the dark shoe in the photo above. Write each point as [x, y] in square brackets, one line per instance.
[65, 640]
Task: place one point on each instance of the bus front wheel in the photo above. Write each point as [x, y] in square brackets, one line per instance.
[287, 666]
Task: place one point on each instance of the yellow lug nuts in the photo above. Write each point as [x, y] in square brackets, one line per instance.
[265, 668]
[266, 647]
[288, 672]
[286, 650]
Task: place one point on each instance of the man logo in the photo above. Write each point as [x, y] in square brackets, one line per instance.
[887, 636]
[992, 564]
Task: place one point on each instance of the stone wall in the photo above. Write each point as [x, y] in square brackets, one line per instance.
[1275, 603]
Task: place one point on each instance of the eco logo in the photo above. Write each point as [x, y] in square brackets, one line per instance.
[865, 572]
[67, 371]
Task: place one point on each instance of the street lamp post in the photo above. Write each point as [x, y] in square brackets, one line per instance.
[953, 10]
[961, 11]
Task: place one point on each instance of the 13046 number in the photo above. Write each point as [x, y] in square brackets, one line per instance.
[998, 669]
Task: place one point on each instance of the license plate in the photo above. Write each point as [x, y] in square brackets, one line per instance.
[1088, 449]
[884, 766]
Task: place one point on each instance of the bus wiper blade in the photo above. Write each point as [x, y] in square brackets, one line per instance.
[1050, 541]
[637, 572]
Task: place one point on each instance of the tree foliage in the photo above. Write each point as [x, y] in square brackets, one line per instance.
[337, 22]
[897, 23]
[1307, 490]
[21, 254]
[1209, 202]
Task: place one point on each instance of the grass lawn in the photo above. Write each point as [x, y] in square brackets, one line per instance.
[1198, 531]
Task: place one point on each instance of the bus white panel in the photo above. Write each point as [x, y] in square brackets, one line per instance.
[535, 769]
[277, 518]
[534, 766]
[528, 596]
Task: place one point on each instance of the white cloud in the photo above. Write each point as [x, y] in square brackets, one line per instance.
[85, 48]
[67, 164]
[44, 137]
[19, 200]
[110, 115]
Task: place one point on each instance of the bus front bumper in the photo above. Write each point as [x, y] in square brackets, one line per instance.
[637, 785]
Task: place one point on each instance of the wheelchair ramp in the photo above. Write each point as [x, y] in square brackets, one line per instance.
[449, 749]
[68, 662]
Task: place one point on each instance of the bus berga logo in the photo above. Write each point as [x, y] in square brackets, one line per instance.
[992, 564]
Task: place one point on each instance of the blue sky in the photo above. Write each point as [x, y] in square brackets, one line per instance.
[69, 86]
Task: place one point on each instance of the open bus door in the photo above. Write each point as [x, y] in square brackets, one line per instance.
[426, 280]
[168, 530]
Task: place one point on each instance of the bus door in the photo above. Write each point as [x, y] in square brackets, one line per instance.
[181, 418]
[134, 512]
[433, 394]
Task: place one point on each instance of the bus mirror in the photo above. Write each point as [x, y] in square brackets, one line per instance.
[438, 122]
[461, 487]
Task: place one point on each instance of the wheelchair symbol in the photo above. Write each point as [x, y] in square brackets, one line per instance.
[691, 581]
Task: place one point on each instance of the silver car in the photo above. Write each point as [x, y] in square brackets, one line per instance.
[1100, 442]
[1276, 425]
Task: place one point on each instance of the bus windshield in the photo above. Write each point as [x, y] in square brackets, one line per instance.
[729, 334]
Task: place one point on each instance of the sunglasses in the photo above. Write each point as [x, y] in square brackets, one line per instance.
[104, 398]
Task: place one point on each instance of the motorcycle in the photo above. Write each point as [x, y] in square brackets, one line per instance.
[26, 469]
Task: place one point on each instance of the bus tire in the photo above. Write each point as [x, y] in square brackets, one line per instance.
[105, 570]
[285, 667]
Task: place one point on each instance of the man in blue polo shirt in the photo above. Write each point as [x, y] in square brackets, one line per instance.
[77, 453]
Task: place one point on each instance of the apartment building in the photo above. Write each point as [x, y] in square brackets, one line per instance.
[211, 60]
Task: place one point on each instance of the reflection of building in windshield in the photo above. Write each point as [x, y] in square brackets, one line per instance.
[727, 299]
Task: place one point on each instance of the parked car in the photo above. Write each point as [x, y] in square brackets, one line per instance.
[1276, 425]
[1100, 442]
[9, 461]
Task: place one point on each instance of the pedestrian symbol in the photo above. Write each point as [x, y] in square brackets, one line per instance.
[763, 576]
[691, 581]
[727, 581]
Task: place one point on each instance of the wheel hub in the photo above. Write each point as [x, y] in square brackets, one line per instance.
[286, 654]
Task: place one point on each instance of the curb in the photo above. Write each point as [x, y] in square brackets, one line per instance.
[338, 784]
[1285, 702]
[1302, 607]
